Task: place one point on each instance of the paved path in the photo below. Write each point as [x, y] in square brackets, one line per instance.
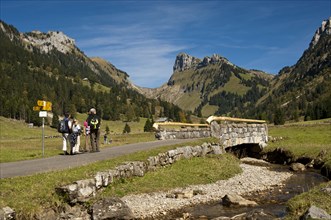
[29, 167]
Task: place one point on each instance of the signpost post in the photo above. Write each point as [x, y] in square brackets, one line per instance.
[43, 107]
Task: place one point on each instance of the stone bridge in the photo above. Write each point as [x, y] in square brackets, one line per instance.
[230, 131]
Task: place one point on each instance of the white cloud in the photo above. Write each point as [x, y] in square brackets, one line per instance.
[144, 39]
[145, 49]
[148, 61]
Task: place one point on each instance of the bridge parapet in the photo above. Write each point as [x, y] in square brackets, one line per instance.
[230, 131]
[186, 133]
[176, 130]
[233, 134]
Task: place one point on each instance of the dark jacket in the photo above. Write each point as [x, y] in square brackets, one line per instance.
[94, 122]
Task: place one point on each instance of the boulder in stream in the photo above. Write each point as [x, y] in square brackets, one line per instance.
[297, 167]
[111, 208]
[236, 200]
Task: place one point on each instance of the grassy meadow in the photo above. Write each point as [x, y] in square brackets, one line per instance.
[303, 138]
[18, 142]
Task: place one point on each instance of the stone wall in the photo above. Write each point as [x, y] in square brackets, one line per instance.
[184, 133]
[82, 190]
[232, 134]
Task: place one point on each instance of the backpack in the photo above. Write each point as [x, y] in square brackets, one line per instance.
[63, 126]
[76, 129]
[94, 123]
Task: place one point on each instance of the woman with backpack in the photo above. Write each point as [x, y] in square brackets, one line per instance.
[75, 136]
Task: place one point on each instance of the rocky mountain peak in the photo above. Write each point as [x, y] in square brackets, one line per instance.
[184, 61]
[49, 41]
[325, 28]
[215, 58]
[45, 42]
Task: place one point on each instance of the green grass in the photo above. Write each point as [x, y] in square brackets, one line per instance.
[208, 110]
[19, 142]
[299, 204]
[189, 100]
[18, 192]
[179, 175]
[116, 127]
[233, 86]
[303, 139]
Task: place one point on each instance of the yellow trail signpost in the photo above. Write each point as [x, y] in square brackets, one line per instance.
[43, 107]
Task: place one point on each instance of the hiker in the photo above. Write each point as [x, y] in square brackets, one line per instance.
[94, 122]
[66, 132]
[105, 139]
[86, 133]
[75, 136]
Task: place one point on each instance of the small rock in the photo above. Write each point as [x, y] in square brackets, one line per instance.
[7, 213]
[171, 195]
[111, 208]
[222, 218]
[259, 214]
[297, 167]
[185, 194]
[233, 200]
[68, 212]
[315, 213]
[327, 190]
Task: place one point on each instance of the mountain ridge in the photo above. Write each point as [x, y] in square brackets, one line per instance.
[253, 93]
[211, 85]
[303, 89]
[195, 80]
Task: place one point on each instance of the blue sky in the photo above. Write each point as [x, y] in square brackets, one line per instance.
[143, 37]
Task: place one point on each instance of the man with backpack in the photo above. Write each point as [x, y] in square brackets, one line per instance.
[94, 122]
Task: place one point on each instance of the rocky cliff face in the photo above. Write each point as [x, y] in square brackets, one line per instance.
[184, 62]
[52, 40]
[45, 42]
[324, 29]
[57, 44]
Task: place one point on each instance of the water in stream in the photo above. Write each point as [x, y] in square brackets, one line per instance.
[271, 202]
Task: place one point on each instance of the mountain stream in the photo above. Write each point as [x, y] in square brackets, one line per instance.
[272, 202]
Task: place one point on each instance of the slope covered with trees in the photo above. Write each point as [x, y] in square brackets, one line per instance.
[304, 89]
[71, 81]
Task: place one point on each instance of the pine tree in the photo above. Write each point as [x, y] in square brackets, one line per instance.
[107, 129]
[279, 117]
[126, 129]
[148, 125]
